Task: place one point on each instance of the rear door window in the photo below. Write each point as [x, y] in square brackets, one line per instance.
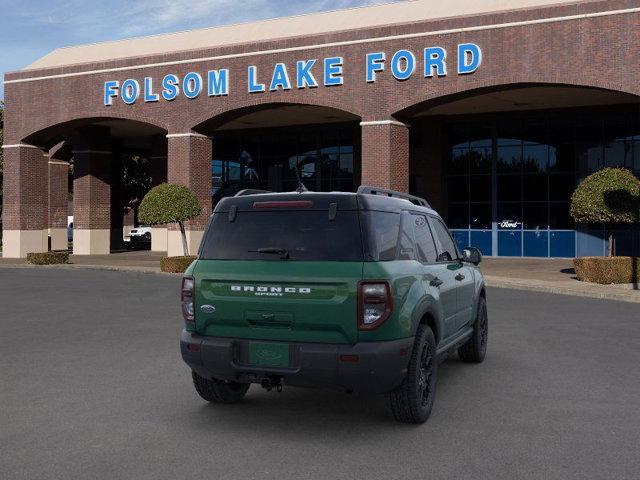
[307, 235]
[446, 247]
[424, 240]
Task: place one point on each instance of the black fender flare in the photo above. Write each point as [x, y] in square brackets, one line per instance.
[428, 307]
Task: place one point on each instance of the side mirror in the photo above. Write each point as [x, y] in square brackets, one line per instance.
[472, 255]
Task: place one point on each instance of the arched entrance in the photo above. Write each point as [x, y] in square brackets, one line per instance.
[501, 164]
[261, 147]
[113, 163]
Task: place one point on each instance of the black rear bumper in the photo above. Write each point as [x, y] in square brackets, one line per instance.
[367, 367]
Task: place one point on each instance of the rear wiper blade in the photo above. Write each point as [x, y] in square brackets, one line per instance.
[283, 252]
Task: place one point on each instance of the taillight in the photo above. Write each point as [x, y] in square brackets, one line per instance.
[375, 303]
[187, 298]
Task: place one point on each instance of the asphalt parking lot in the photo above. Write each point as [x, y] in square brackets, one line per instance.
[92, 386]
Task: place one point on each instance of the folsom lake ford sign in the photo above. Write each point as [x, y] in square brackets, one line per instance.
[308, 73]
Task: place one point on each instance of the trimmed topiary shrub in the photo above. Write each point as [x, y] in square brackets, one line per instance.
[170, 203]
[607, 270]
[175, 264]
[48, 258]
[611, 195]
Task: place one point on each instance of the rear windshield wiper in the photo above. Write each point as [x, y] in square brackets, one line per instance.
[283, 252]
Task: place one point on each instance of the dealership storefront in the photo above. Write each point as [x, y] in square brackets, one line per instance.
[494, 116]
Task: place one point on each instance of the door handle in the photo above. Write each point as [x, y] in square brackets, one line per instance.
[459, 277]
[436, 282]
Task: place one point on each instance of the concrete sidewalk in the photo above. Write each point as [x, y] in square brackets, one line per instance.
[539, 275]
[551, 276]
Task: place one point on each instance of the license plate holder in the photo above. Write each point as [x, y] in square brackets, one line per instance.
[269, 354]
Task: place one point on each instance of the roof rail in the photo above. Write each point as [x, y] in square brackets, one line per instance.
[392, 193]
[250, 191]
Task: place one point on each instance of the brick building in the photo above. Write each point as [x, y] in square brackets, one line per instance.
[492, 109]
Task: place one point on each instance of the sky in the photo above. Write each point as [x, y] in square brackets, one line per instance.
[29, 29]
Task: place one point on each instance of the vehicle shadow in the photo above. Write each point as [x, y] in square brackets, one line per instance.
[300, 412]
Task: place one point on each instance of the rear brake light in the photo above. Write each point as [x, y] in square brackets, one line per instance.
[284, 204]
[375, 303]
[187, 298]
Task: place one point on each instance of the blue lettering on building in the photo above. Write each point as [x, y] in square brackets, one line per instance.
[305, 73]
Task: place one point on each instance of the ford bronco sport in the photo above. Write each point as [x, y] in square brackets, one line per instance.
[363, 292]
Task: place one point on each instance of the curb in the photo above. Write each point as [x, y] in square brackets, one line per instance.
[604, 291]
[74, 266]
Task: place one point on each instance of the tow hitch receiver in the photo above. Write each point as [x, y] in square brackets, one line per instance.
[269, 383]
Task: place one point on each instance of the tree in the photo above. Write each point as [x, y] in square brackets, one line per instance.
[170, 203]
[611, 195]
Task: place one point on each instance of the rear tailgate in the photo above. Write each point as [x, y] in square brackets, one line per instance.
[291, 301]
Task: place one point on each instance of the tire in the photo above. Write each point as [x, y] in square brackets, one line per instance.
[412, 401]
[475, 349]
[147, 237]
[217, 391]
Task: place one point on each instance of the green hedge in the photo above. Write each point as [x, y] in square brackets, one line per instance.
[607, 270]
[48, 258]
[175, 264]
[611, 195]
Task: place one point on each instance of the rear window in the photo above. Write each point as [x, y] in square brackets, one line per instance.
[383, 229]
[306, 235]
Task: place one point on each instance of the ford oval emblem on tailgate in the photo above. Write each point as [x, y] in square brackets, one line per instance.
[207, 309]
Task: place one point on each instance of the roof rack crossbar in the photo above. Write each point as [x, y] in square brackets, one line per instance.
[250, 191]
[393, 193]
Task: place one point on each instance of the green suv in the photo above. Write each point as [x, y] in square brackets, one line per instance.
[362, 292]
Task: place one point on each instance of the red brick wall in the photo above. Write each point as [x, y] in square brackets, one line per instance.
[599, 52]
[26, 188]
[58, 192]
[189, 164]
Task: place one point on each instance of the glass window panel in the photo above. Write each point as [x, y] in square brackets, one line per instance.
[535, 133]
[509, 133]
[459, 161]
[534, 158]
[307, 144]
[447, 250]
[559, 217]
[424, 240]
[510, 216]
[562, 158]
[589, 158]
[458, 189]
[535, 216]
[269, 146]
[589, 130]
[480, 216]
[509, 188]
[534, 188]
[459, 215]
[346, 164]
[618, 154]
[480, 160]
[636, 156]
[407, 243]
[480, 136]
[561, 187]
[288, 146]
[619, 127]
[509, 159]
[481, 188]
[561, 130]
[459, 136]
